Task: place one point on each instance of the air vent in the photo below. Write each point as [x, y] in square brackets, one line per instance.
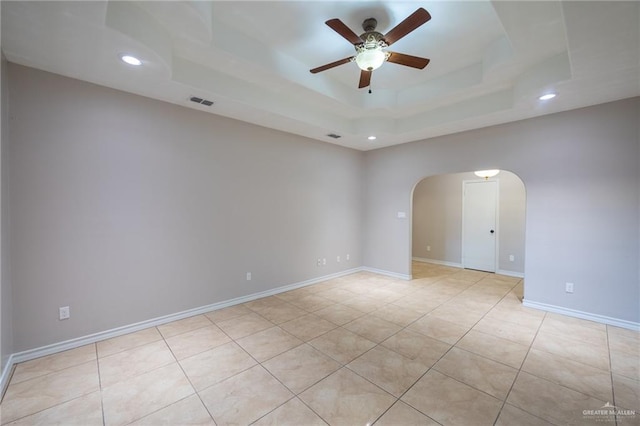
[334, 136]
[201, 101]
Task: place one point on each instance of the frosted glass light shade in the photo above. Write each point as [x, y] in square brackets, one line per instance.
[370, 59]
[486, 173]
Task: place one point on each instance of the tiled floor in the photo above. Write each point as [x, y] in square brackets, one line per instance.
[450, 347]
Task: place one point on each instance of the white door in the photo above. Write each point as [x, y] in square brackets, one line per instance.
[479, 225]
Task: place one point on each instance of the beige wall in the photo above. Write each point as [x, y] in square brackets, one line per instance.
[127, 209]
[580, 170]
[437, 219]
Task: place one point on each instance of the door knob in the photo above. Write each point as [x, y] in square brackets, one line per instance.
[492, 231]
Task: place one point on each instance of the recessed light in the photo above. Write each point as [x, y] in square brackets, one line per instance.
[547, 96]
[131, 60]
[372, 138]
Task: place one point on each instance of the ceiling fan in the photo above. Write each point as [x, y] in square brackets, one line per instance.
[370, 45]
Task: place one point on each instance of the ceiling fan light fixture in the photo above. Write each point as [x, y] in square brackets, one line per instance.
[131, 60]
[486, 173]
[370, 59]
[372, 138]
[547, 96]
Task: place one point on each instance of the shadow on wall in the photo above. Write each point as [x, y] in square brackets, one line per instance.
[438, 218]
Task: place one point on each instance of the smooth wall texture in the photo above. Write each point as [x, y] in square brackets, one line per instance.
[6, 329]
[127, 209]
[437, 219]
[580, 170]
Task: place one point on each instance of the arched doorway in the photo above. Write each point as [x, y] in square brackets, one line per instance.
[437, 221]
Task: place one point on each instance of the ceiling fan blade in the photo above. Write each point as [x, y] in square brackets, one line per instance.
[331, 65]
[340, 27]
[408, 60]
[365, 78]
[413, 21]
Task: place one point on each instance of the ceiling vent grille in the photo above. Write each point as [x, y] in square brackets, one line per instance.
[334, 136]
[201, 101]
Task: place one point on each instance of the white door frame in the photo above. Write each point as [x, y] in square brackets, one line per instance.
[497, 229]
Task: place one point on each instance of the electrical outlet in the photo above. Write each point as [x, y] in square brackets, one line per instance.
[428, 248]
[568, 287]
[511, 258]
[324, 261]
[248, 276]
[348, 256]
[319, 263]
[338, 259]
[64, 313]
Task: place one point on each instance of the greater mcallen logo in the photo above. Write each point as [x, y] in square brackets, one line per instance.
[607, 413]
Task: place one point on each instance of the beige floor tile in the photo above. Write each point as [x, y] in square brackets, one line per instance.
[135, 398]
[228, 313]
[397, 315]
[244, 325]
[622, 343]
[196, 341]
[623, 332]
[364, 303]
[495, 348]
[312, 302]
[83, 411]
[186, 412]
[416, 346]
[233, 402]
[291, 413]
[258, 305]
[182, 326]
[457, 314]
[574, 375]
[308, 327]
[574, 328]
[400, 414]
[373, 328]
[586, 353]
[215, 365]
[439, 329]
[282, 313]
[128, 341]
[336, 294]
[554, 403]
[301, 367]
[452, 403]
[342, 345]
[37, 394]
[344, 398]
[625, 364]
[477, 371]
[421, 306]
[339, 314]
[567, 322]
[518, 333]
[388, 369]
[52, 363]
[386, 294]
[528, 317]
[511, 416]
[627, 393]
[268, 343]
[133, 362]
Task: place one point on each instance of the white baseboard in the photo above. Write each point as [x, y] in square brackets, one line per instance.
[6, 374]
[131, 328]
[388, 273]
[459, 265]
[437, 262]
[510, 273]
[630, 325]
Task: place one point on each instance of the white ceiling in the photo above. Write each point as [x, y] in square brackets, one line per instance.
[489, 60]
